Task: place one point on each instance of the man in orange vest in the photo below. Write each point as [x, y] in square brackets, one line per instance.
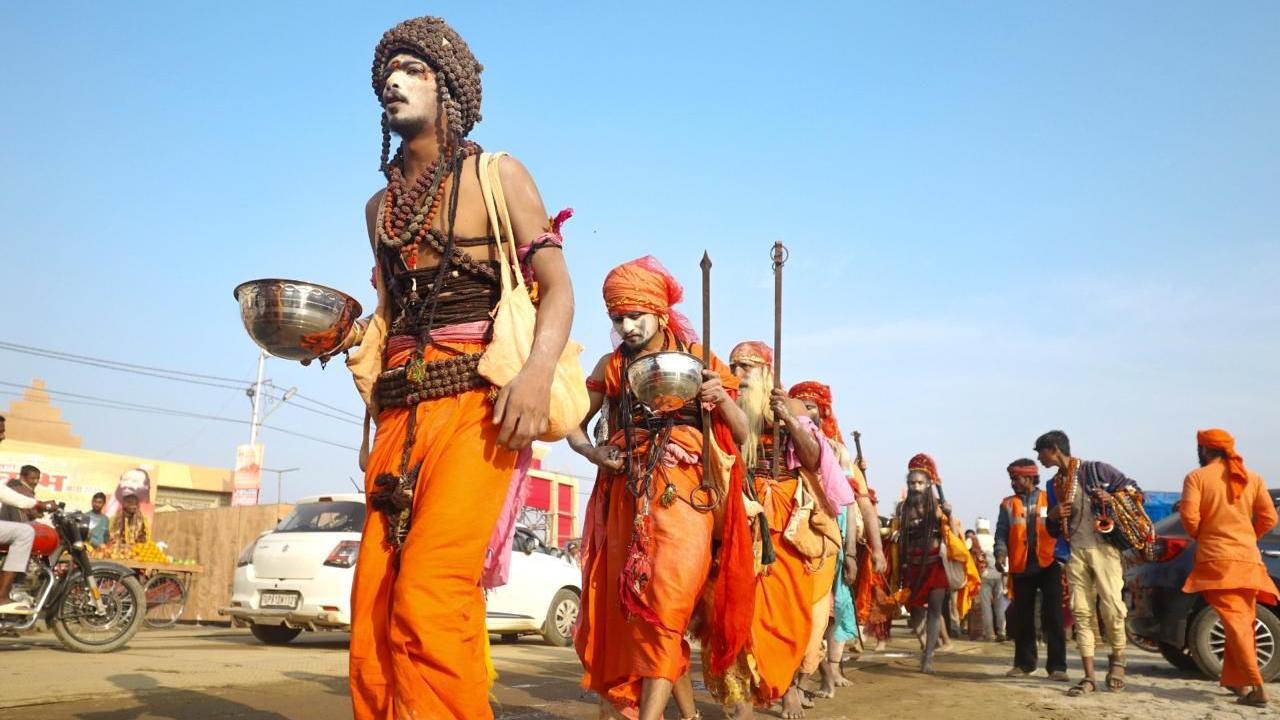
[1226, 508]
[1024, 546]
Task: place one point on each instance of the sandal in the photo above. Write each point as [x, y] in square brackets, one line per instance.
[1115, 683]
[1079, 688]
[1255, 698]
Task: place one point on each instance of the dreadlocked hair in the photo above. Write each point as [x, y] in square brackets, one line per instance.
[457, 72]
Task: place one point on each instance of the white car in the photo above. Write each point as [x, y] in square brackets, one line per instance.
[298, 577]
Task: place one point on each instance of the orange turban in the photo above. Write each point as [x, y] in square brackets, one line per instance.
[820, 394]
[644, 285]
[751, 352]
[926, 465]
[1216, 439]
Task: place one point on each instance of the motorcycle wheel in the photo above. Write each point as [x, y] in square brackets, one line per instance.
[82, 628]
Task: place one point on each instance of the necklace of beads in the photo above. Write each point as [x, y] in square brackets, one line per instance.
[408, 215]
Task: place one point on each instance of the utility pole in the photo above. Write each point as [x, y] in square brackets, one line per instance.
[260, 414]
[256, 396]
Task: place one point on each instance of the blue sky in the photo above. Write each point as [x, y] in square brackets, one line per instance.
[1003, 217]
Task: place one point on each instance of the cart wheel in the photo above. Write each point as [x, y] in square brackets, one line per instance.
[166, 599]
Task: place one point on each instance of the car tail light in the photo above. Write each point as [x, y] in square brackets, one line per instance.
[246, 555]
[1168, 548]
[344, 554]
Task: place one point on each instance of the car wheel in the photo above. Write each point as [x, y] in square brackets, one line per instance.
[274, 634]
[1178, 657]
[1208, 640]
[562, 616]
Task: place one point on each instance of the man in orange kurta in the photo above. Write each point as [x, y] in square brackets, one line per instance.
[1226, 508]
[647, 545]
[448, 444]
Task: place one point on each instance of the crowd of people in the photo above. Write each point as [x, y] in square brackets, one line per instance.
[738, 520]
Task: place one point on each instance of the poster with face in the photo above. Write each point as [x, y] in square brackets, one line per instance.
[136, 483]
[74, 481]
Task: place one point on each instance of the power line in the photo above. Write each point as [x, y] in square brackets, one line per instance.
[110, 365]
[106, 403]
[72, 356]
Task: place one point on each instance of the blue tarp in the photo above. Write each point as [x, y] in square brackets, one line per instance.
[1159, 504]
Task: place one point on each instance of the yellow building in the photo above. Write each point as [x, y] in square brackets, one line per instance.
[37, 435]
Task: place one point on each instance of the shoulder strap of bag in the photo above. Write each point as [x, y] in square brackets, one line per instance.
[495, 202]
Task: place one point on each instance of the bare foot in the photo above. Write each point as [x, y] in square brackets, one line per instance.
[743, 711]
[837, 676]
[881, 645]
[793, 703]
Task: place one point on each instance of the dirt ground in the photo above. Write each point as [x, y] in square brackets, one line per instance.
[217, 673]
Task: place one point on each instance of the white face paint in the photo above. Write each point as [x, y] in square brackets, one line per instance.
[636, 329]
[917, 481]
[409, 95]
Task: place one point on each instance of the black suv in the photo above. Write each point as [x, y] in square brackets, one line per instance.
[1184, 628]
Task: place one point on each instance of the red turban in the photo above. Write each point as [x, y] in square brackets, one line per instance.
[1237, 476]
[1027, 471]
[820, 394]
[644, 285]
[925, 464]
[751, 352]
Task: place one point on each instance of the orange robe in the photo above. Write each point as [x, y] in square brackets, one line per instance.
[1228, 569]
[618, 653]
[784, 597]
[418, 616]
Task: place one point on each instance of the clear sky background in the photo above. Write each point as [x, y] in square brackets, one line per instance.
[1003, 217]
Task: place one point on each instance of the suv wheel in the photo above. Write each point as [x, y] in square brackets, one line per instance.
[274, 634]
[562, 616]
[1207, 640]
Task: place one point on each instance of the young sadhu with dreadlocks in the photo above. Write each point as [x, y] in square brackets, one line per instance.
[447, 445]
[786, 590]
[652, 517]
[919, 529]
[839, 614]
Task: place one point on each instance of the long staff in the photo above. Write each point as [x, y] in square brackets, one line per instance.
[706, 363]
[779, 257]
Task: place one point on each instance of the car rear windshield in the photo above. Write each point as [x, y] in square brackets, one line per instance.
[324, 517]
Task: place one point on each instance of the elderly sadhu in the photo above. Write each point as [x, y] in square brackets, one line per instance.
[837, 612]
[448, 444]
[650, 523]
[1226, 508]
[787, 589]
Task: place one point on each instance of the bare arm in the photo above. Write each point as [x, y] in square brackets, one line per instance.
[522, 407]
[807, 449]
[605, 457]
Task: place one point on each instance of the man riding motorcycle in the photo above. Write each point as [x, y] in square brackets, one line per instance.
[19, 537]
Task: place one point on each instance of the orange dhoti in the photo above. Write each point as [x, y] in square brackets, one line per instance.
[1238, 610]
[617, 653]
[785, 594]
[418, 637]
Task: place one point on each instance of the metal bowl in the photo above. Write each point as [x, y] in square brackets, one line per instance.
[665, 381]
[295, 320]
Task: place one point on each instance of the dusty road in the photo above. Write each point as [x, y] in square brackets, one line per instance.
[208, 673]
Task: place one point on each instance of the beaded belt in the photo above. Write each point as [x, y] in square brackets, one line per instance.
[422, 380]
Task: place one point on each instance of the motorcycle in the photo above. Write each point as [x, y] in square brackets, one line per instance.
[92, 606]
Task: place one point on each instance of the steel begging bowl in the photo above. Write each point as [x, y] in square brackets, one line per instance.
[665, 381]
[295, 320]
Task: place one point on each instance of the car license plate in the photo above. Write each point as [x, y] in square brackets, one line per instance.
[279, 600]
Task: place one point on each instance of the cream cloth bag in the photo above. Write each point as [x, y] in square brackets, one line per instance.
[515, 316]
